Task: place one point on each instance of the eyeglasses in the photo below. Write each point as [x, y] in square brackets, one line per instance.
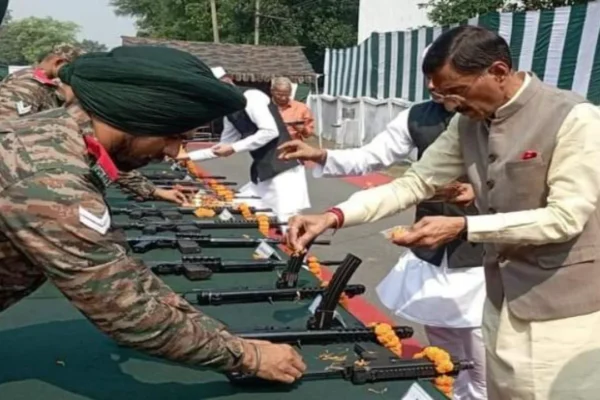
[455, 100]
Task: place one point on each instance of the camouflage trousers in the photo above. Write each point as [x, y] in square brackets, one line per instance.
[18, 277]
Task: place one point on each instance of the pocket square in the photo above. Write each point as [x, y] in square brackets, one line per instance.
[529, 154]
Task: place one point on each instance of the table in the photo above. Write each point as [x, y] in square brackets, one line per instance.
[49, 351]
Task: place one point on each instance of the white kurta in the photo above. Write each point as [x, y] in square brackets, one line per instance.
[287, 193]
[414, 289]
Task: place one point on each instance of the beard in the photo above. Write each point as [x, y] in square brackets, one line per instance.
[127, 164]
[123, 159]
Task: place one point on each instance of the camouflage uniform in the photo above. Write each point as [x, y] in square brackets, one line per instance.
[54, 225]
[29, 91]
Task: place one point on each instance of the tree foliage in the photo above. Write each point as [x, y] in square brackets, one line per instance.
[25, 41]
[314, 24]
[448, 12]
[90, 46]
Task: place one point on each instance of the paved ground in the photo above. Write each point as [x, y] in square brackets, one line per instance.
[366, 241]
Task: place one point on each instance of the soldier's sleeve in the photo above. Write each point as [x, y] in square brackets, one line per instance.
[61, 223]
[20, 98]
[136, 183]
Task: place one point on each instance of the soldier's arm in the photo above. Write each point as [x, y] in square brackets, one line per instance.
[135, 182]
[60, 222]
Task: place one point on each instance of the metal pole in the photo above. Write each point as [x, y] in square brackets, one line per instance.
[215, 26]
[319, 111]
[256, 21]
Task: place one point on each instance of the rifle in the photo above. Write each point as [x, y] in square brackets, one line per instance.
[324, 336]
[246, 295]
[189, 243]
[197, 268]
[138, 199]
[378, 369]
[181, 182]
[192, 271]
[174, 213]
[180, 175]
[153, 227]
[320, 327]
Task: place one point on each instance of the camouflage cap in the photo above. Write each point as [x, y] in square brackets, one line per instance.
[67, 51]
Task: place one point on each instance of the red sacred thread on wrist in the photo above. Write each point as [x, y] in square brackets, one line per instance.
[339, 216]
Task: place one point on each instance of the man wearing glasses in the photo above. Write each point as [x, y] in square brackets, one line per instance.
[531, 153]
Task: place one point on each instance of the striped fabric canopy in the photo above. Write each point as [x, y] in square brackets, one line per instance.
[560, 46]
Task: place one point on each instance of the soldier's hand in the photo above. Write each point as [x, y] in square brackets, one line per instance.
[302, 229]
[298, 150]
[275, 362]
[173, 195]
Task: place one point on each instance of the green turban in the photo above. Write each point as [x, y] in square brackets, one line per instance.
[150, 90]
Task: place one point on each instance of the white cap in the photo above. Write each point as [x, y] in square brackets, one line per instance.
[218, 72]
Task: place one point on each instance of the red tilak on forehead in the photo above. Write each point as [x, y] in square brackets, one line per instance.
[102, 158]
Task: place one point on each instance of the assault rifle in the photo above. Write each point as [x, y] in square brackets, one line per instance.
[324, 336]
[377, 369]
[153, 227]
[138, 199]
[183, 182]
[247, 295]
[196, 268]
[174, 213]
[321, 327]
[192, 271]
[189, 243]
[180, 175]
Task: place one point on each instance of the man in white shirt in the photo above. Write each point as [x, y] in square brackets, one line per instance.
[259, 129]
[443, 289]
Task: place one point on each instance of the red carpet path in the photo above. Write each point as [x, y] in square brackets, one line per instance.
[359, 307]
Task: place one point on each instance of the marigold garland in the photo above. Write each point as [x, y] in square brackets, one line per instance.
[245, 211]
[314, 266]
[443, 364]
[263, 224]
[387, 337]
[204, 213]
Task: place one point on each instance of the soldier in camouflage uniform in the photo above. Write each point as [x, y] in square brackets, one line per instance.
[55, 224]
[35, 89]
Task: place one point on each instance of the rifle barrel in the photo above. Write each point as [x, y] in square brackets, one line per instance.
[210, 297]
[290, 336]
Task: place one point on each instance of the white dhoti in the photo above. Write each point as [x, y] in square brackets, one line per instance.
[449, 302]
[286, 194]
[547, 360]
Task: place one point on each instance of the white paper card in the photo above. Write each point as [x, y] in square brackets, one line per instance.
[264, 250]
[225, 215]
[315, 304]
[416, 392]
